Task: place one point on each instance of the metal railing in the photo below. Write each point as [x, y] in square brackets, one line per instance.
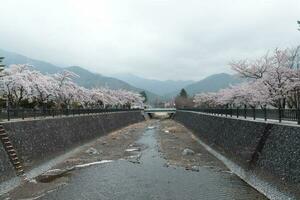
[265, 114]
[8, 114]
[152, 110]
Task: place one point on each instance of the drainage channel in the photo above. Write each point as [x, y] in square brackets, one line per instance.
[151, 178]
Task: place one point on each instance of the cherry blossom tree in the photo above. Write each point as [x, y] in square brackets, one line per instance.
[16, 83]
[43, 88]
[66, 88]
[22, 82]
[206, 100]
[271, 72]
[271, 80]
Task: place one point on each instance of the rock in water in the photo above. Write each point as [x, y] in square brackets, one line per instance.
[150, 127]
[187, 152]
[195, 168]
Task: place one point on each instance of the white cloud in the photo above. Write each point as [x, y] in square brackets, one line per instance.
[164, 39]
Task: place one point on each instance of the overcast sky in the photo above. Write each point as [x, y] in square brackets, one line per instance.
[162, 39]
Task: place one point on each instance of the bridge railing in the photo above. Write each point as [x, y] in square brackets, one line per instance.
[246, 113]
[8, 114]
[160, 110]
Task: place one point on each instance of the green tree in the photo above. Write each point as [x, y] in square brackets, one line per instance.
[183, 93]
[183, 100]
[143, 93]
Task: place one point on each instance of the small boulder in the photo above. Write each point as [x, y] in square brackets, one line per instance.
[92, 151]
[132, 149]
[150, 127]
[53, 174]
[187, 152]
[195, 168]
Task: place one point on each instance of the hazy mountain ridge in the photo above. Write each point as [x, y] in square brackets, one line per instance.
[94, 80]
[155, 89]
[14, 58]
[86, 79]
[169, 89]
[156, 86]
[211, 83]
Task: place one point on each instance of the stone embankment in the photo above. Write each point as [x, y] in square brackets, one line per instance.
[267, 155]
[37, 141]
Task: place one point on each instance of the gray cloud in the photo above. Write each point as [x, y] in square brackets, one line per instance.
[163, 39]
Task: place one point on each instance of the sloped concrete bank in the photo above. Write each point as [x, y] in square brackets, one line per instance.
[37, 141]
[267, 155]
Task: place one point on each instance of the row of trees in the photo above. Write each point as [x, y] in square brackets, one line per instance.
[272, 80]
[22, 86]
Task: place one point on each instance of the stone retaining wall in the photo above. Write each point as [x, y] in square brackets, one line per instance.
[37, 141]
[279, 160]
[269, 151]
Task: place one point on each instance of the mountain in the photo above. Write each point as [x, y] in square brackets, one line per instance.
[169, 89]
[14, 58]
[211, 83]
[86, 79]
[91, 80]
[155, 86]
[94, 80]
[155, 89]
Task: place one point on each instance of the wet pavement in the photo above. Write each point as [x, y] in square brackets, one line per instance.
[148, 170]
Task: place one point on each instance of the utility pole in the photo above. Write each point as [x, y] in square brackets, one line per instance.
[1, 65]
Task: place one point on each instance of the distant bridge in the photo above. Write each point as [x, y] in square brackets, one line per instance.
[152, 111]
[160, 110]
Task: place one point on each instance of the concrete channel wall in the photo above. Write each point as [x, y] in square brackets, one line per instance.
[271, 152]
[37, 141]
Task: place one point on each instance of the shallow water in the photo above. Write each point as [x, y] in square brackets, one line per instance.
[150, 179]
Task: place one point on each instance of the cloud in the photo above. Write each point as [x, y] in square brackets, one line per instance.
[163, 39]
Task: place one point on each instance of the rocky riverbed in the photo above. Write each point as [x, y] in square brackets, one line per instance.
[156, 159]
